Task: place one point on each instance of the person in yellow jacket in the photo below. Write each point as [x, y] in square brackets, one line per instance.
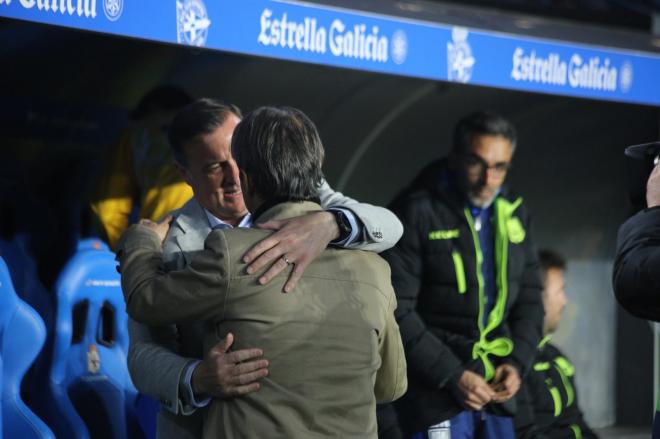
[140, 173]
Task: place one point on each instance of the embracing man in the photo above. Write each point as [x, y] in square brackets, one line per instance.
[167, 362]
[333, 346]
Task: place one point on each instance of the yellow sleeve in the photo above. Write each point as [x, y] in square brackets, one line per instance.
[167, 193]
[115, 193]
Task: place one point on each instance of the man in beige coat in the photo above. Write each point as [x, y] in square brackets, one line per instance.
[333, 344]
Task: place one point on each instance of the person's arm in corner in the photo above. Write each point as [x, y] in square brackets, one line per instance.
[636, 276]
[303, 238]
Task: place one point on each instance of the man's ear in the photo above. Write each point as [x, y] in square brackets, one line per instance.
[246, 183]
[183, 172]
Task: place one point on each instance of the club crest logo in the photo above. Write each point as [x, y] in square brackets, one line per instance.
[459, 56]
[399, 47]
[192, 22]
[93, 359]
[626, 77]
[113, 9]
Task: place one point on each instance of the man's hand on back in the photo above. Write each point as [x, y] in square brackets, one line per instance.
[297, 240]
[224, 374]
[160, 228]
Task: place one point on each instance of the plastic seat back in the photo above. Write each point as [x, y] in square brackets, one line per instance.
[90, 386]
[22, 335]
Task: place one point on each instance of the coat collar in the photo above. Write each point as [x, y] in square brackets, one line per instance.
[288, 209]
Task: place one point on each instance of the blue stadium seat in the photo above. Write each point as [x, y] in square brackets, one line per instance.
[25, 277]
[1, 387]
[90, 391]
[92, 244]
[22, 335]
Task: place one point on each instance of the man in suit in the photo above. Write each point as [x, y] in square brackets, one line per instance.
[200, 137]
[336, 343]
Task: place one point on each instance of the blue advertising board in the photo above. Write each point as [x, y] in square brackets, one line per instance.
[358, 40]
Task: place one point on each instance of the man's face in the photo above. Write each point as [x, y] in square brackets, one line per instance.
[483, 168]
[554, 299]
[213, 174]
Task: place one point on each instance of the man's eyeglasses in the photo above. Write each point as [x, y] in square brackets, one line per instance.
[475, 165]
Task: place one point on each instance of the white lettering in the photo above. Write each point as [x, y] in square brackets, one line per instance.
[533, 68]
[356, 44]
[102, 283]
[592, 75]
[275, 37]
[574, 73]
[90, 8]
[381, 52]
[336, 41]
[265, 25]
[319, 39]
[306, 35]
[515, 70]
[300, 34]
[282, 34]
[70, 7]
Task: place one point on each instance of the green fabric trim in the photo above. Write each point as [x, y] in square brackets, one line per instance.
[565, 366]
[502, 214]
[435, 235]
[544, 341]
[480, 260]
[501, 346]
[570, 393]
[556, 397]
[540, 367]
[566, 370]
[460, 271]
[577, 431]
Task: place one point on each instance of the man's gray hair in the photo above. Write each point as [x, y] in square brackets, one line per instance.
[280, 149]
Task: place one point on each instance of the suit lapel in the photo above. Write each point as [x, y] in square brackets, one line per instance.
[194, 227]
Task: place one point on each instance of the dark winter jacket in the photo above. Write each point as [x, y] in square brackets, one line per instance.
[637, 265]
[439, 288]
[636, 276]
[553, 394]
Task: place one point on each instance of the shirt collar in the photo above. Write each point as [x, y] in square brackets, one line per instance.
[217, 223]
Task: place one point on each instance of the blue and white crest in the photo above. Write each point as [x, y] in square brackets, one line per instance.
[626, 77]
[399, 47]
[113, 9]
[192, 22]
[459, 56]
